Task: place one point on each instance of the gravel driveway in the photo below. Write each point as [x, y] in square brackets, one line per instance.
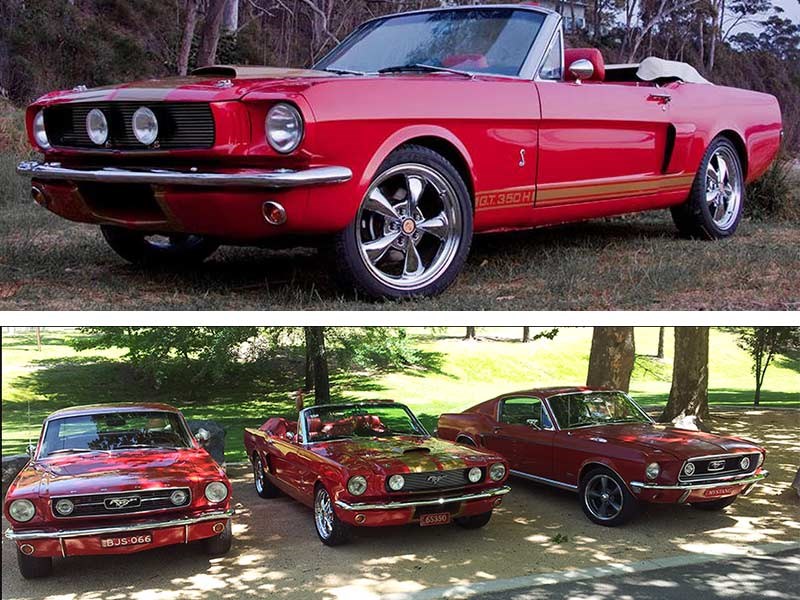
[277, 553]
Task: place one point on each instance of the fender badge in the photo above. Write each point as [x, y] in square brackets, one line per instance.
[224, 84]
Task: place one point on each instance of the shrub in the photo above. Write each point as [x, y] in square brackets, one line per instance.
[775, 195]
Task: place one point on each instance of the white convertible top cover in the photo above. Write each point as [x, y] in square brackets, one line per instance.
[652, 68]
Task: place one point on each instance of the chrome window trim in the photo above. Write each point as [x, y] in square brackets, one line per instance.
[558, 31]
[726, 473]
[502, 402]
[559, 484]
[301, 418]
[650, 419]
[53, 499]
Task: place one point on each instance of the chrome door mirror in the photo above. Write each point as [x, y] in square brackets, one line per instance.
[534, 423]
[30, 449]
[289, 435]
[581, 69]
[202, 436]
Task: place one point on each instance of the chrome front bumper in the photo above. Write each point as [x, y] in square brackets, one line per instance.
[281, 178]
[431, 502]
[690, 487]
[73, 533]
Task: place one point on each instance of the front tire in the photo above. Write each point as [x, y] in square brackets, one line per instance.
[264, 487]
[330, 529]
[605, 498]
[716, 201]
[474, 521]
[142, 248]
[34, 567]
[413, 230]
[221, 543]
[720, 504]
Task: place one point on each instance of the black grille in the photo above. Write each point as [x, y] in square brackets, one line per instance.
[705, 468]
[180, 125]
[125, 503]
[433, 480]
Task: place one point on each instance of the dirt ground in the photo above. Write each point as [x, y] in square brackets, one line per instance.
[537, 530]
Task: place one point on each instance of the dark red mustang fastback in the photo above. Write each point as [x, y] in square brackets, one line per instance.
[417, 131]
[370, 465]
[116, 479]
[602, 445]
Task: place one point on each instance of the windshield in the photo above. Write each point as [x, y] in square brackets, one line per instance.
[595, 408]
[114, 431]
[482, 40]
[358, 421]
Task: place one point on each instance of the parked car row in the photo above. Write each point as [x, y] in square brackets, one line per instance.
[121, 478]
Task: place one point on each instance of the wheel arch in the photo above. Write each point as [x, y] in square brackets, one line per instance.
[741, 147]
[605, 463]
[466, 438]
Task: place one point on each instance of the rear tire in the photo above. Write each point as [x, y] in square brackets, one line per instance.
[713, 210]
[34, 567]
[413, 229]
[720, 504]
[221, 543]
[264, 487]
[605, 498]
[330, 529]
[142, 248]
[474, 521]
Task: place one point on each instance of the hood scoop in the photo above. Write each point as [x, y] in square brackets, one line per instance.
[417, 451]
[255, 72]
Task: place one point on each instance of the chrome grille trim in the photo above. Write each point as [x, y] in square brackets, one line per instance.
[146, 499]
[731, 467]
[434, 480]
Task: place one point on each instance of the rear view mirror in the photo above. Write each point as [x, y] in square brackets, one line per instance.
[202, 436]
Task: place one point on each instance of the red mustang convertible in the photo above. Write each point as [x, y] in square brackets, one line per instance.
[417, 131]
[602, 445]
[370, 465]
[116, 479]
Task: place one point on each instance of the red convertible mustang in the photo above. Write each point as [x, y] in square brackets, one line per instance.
[602, 445]
[116, 479]
[373, 464]
[417, 131]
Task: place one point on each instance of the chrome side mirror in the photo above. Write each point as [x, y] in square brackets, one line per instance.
[290, 435]
[202, 436]
[30, 449]
[533, 423]
[581, 69]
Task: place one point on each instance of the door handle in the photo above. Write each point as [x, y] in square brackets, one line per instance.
[660, 98]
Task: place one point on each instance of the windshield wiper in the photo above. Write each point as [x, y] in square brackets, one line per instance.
[70, 451]
[344, 71]
[423, 67]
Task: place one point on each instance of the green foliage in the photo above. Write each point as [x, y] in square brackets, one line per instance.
[775, 194]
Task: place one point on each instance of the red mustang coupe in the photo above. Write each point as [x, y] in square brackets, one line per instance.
[602, 445]
[116, 479]
[371, 465]
[417, 131]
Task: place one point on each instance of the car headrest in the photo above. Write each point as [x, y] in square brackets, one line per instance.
[593, 55]
[314, 425]
[465, 61]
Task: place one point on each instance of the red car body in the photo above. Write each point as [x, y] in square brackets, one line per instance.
[298, 466]
[547, 453]
[530, 152]
[112, 488]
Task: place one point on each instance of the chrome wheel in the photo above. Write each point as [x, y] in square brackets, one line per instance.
[323, 513]
[603, 497]
[409, 226]
[723, 187]
[258, 475]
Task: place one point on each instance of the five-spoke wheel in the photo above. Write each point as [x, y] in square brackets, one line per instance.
[413, 229]
[605, 498]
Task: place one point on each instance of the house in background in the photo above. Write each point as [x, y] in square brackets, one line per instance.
[573, 12]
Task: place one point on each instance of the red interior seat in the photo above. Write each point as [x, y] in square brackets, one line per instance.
[593, 55]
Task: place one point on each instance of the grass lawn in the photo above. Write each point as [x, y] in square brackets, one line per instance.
[459, 374]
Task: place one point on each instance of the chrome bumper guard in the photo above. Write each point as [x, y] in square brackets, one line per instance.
[281, 178]
[72, 533]
[432, 502]
[688, 487]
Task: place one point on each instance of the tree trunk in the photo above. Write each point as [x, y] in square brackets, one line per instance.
[316, 347]
[611, 358]
[39, 340]
[186, 38]
[209, 33]
[230, 17]
[526, 335]
[470, 333]
[660, 353]
[309, 370]
[689, 394]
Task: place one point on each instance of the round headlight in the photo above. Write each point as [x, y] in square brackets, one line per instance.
[396, 482]
[284, 128]
[22, 510]
[64, 507]
[760, 459]
[216, 491]
[653, 470]
[497, 471]
[97, 126]
[357, 485]
[745, 463]
[145, 125]
[179, 497]
[688, 470]
[39, 133]
[474, 474]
